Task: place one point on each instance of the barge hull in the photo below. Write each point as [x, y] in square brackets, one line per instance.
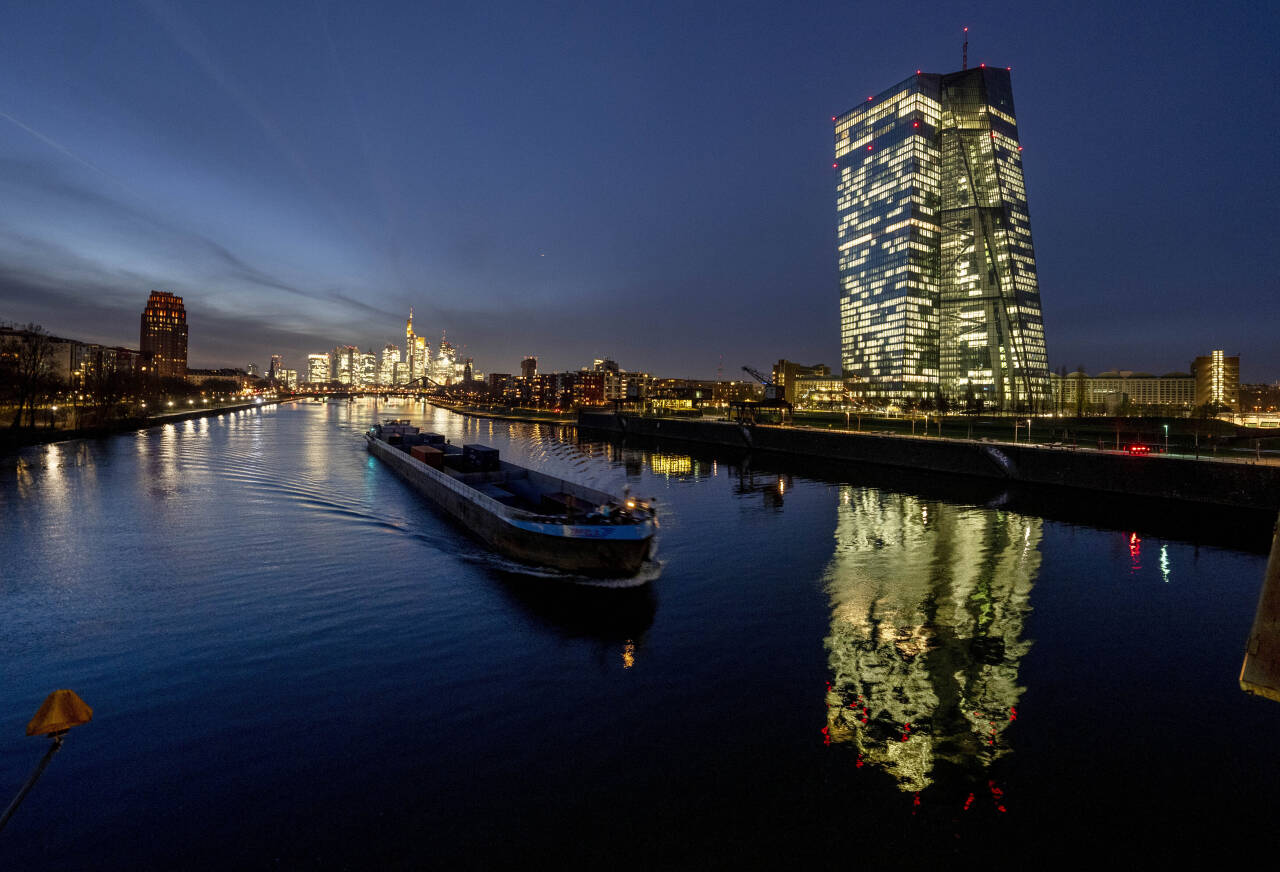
[599, 551]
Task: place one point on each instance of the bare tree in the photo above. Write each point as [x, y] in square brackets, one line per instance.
[26, 369]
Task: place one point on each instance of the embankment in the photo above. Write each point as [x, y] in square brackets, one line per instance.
[1182, 479]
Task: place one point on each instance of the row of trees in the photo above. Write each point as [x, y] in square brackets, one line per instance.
[31, 389]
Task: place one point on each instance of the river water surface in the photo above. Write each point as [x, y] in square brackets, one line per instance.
[294, 662]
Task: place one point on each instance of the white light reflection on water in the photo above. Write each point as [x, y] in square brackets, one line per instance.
[926, 631]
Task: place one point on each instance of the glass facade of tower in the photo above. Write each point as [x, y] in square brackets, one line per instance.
[938, 284]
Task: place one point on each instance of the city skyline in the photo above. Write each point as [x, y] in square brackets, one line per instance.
[301, 176]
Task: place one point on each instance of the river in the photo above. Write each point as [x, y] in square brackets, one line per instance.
[294, 662]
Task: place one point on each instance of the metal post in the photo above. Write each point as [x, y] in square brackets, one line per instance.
[31, 780]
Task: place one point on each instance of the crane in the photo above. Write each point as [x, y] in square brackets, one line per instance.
[771, 390]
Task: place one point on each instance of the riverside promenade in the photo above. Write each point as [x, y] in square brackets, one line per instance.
[1183, 479]
[14, 440]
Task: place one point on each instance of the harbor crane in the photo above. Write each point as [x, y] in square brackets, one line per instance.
[745, 410]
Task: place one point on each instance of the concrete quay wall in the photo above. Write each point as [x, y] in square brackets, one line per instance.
[1182, 479]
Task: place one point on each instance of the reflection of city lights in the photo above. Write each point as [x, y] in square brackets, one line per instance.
[970, 573]
[1135, 551]
[1164, 563]
[628, 655]
[670, 464]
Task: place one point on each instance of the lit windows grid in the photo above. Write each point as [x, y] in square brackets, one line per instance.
[886, 240]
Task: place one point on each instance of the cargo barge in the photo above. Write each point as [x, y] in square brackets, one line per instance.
[520, 513]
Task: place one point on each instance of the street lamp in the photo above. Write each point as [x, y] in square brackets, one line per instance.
[61, 711]
[1166, 438]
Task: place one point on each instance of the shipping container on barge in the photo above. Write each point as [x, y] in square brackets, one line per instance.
[521, 513]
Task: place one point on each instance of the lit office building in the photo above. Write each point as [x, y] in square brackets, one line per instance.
[446, 370]
[163, 336]
[387, 372]
[939, 294]
[416, 352]
[367, 375]
[346, 364]
[317, 368]
[1217, 380]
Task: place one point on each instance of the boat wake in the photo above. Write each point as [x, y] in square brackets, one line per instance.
[649, 571]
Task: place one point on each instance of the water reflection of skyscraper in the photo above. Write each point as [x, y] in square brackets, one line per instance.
[928, 604]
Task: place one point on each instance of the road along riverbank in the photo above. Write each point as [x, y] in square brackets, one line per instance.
[1201, 481]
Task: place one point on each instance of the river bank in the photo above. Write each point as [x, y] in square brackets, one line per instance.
[528, 416]
[1239, 485]
[14, 439]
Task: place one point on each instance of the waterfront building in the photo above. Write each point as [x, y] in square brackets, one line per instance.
[317, 368]
[402, 373]
[727, 392]
[1260, 398]
[163, 336]
[92, 366]
[529, 368]
[288, 378]
[938, 287]
[1123, 392]
[588, 389]
[1217, 380]
[202, 377]
[798, 380]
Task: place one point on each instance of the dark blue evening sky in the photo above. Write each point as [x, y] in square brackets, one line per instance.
[650, 182]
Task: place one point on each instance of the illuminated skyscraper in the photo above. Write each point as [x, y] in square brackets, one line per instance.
[317, 368]
[164, 335]
[938, 292]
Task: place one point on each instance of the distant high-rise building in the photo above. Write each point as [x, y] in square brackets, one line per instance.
[346, 364]
[387, 372]
[317, 368]
[1217, 380]
[938, 287]
[252, 370]
[529, 367]
[368, 373]
[164, 335]
[277, 364]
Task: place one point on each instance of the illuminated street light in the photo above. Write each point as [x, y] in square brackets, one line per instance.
[61, 711]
